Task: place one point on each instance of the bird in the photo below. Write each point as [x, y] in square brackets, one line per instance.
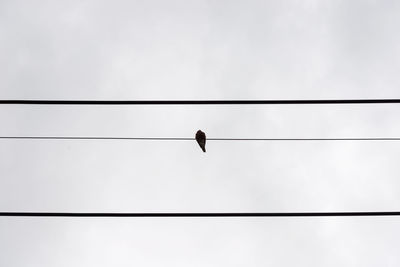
[201, 139]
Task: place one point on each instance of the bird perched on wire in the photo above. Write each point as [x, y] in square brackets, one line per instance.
[201, 139]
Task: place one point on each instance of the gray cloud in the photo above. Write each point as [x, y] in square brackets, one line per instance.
[199, 50]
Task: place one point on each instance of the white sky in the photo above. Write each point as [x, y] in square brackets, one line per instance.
[199, 50]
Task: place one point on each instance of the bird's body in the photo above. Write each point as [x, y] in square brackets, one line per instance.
[201, 139]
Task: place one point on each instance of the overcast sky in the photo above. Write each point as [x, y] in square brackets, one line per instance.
[129, 50]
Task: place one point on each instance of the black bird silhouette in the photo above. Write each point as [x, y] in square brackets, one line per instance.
[201, 139]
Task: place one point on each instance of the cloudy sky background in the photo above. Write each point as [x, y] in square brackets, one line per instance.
[132, 50]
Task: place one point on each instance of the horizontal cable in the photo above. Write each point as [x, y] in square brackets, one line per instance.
[191, 139]
[200, 102]
[201, 214]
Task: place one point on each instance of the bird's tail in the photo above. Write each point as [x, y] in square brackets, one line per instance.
[203, 148]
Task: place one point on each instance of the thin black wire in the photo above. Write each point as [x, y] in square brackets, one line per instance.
[191, 139]
[201, 214]
[198, 102]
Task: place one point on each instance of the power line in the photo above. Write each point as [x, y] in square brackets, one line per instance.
[201, 214]
[199, 102]
[192, 139]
